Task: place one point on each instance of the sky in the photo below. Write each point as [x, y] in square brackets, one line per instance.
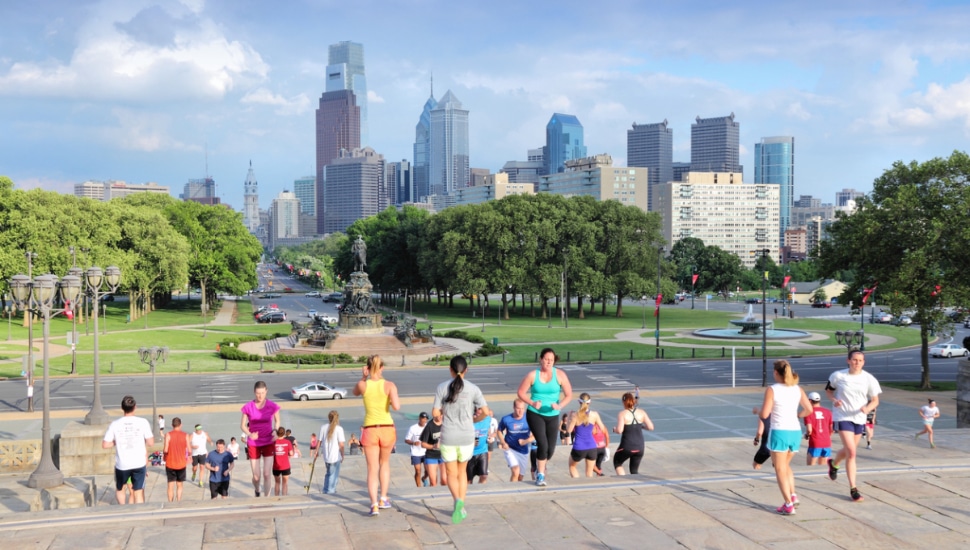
[171, 90]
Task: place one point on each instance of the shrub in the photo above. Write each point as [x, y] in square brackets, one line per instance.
[473, 338]
[489, 348]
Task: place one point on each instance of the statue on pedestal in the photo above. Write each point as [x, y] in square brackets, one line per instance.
[359, 251]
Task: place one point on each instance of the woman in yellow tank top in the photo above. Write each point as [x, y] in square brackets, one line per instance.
[378, 436]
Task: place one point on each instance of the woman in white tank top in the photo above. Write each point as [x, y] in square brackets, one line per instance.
[781, 406]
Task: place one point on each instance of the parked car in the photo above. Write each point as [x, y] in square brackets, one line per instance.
[335, 297]
[948, 350]
[270, 295]
[966, 323]
[311, 313]
[272, 317]
[884, 317]
[822, 304]
[312, 294]
[327, 318]
[904, 320]
[753, 301]
[317, 390]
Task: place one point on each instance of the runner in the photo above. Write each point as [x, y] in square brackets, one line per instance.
[220, 463]
[928, 413]
[260, 420]
[516, 441]
[478, 465]
[430, 442]
[854, 393]
[870, 428]
[377, 435]
[543, 390]
[130, 436]
[584, 446]
[413, 440]
[282, 451]
[175, 450]
[761, 440]
[630, 423]
[233, 447]
[456, 401]
[781, 405]
[199, 452]
[818, 432]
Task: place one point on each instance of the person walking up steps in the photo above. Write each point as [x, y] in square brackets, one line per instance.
[176, 447]
[130, 436]
[516, 440]
[199, 452]
[854, 393]
[260, 420]
[332, 441]
[584, 446]
[928, 413]
[282, 451]
[630, 424]
[543, 390]
[818, 427]
[784, 403]
[456, 401]
[413, 441]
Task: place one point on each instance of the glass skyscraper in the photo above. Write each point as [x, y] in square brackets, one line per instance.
[774, 162]
[651, 146]
[422, 151]
[564, 141]
[714, 145]
[449, 147]
[345, 71]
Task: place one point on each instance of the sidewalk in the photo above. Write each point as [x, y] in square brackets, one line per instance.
[690, 494]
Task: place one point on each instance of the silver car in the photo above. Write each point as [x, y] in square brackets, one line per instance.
[317, 390]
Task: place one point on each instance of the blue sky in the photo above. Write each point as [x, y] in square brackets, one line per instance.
[140, 90]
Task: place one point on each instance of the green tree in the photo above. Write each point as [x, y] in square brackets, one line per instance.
[908, 237]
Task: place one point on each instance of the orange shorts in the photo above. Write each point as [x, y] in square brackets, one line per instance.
[378, 436]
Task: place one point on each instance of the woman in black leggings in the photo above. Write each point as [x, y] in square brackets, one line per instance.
[630, 424]
[543, 390]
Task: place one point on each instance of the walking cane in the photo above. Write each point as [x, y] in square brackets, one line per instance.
[313, 466]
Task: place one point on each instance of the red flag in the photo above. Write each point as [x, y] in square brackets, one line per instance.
[694, 279]
[656, 311]
[866, 292]
[787, 279]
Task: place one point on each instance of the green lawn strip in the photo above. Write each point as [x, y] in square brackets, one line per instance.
[244, 312]
[618, 351]
[726, 343]
[915, 386]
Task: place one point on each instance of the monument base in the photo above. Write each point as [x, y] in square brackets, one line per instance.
[77, 451]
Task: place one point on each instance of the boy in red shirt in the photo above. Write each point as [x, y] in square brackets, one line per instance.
[282, 451]
[818, 432]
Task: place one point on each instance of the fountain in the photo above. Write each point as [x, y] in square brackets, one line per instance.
[751, 328]
[357, 313]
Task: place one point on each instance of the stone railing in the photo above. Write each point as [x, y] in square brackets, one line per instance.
[19, 456]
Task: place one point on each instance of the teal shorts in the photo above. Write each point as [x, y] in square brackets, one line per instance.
[782, 441]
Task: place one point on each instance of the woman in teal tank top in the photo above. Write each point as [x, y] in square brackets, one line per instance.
[543, 390]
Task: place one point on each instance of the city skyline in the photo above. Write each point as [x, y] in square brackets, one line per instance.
[136, 91]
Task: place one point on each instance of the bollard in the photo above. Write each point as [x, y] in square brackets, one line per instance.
[260, 364]
[402, 360]
[112, 367]
[226, 365]
[752, 351]
[631, 354]
[297, 363]
[722, 352]
[537, 356]
[333, 361]
[568, 354]
[601, 355]
[692, 352]
[188, 366]
[662, 353]
[503, 356]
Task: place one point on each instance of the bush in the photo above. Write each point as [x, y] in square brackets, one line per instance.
[489, 348]
[473, 338]
[312, 359]
[235, 354]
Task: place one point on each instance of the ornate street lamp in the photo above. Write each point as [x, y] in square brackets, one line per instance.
[150, 356]
[38, 296]
[94, 280]
[764, 320]
[660, 255]
[850, 339]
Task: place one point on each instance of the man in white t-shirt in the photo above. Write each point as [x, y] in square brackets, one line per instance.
[854, 393]
[413, 440]
[130, 436]
[928, 413]
[199, 452]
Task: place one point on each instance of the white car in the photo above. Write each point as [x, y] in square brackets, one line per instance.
[311, 313]
[312, 294]
[948, 350]
[317, 390]
[327, 318]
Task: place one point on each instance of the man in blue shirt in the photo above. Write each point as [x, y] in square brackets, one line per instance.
[220, 463]
[478, 464]
[516, 440]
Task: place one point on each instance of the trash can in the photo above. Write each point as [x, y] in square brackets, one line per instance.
[494, 341]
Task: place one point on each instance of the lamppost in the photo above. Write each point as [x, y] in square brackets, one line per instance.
[482, 300]
[75, 271]
[30, 338]
[9, 311]
[693, 283]
[656, 334]
[764, 321]
[850, 339]
[150, 356]
[38, 296]
[643, 301]
[94, 279]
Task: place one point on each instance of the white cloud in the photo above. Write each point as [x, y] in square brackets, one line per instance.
[372, 97]
[142, 56]
[296, 105]
[140, 131]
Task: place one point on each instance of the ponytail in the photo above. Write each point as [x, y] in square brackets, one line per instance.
[788, 375]
[458, 366]
[582, 417]
[334, 418]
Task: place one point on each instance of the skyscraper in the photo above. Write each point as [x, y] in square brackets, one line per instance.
[843, 197]
[284, 218]
[345, 71]
[652, 146]
[422, 149]
[354, 188]
[251, 202]
[449, 146]
[305, 189]
[714, 145]
[400, 183]
[202, 190]
[564, 141]
[774, 162]
[338, 128]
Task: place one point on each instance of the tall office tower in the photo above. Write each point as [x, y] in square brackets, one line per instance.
[338, 128]
[345, 71]
[774, 162]
[201, 190]
[564, 141]
[251, 202]
[399, 183]
[422, 150]
[449, 147]
[651, 146]
[284, 217]
[305, 189]
[714, 144]
[354, 183]
[843, 197]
